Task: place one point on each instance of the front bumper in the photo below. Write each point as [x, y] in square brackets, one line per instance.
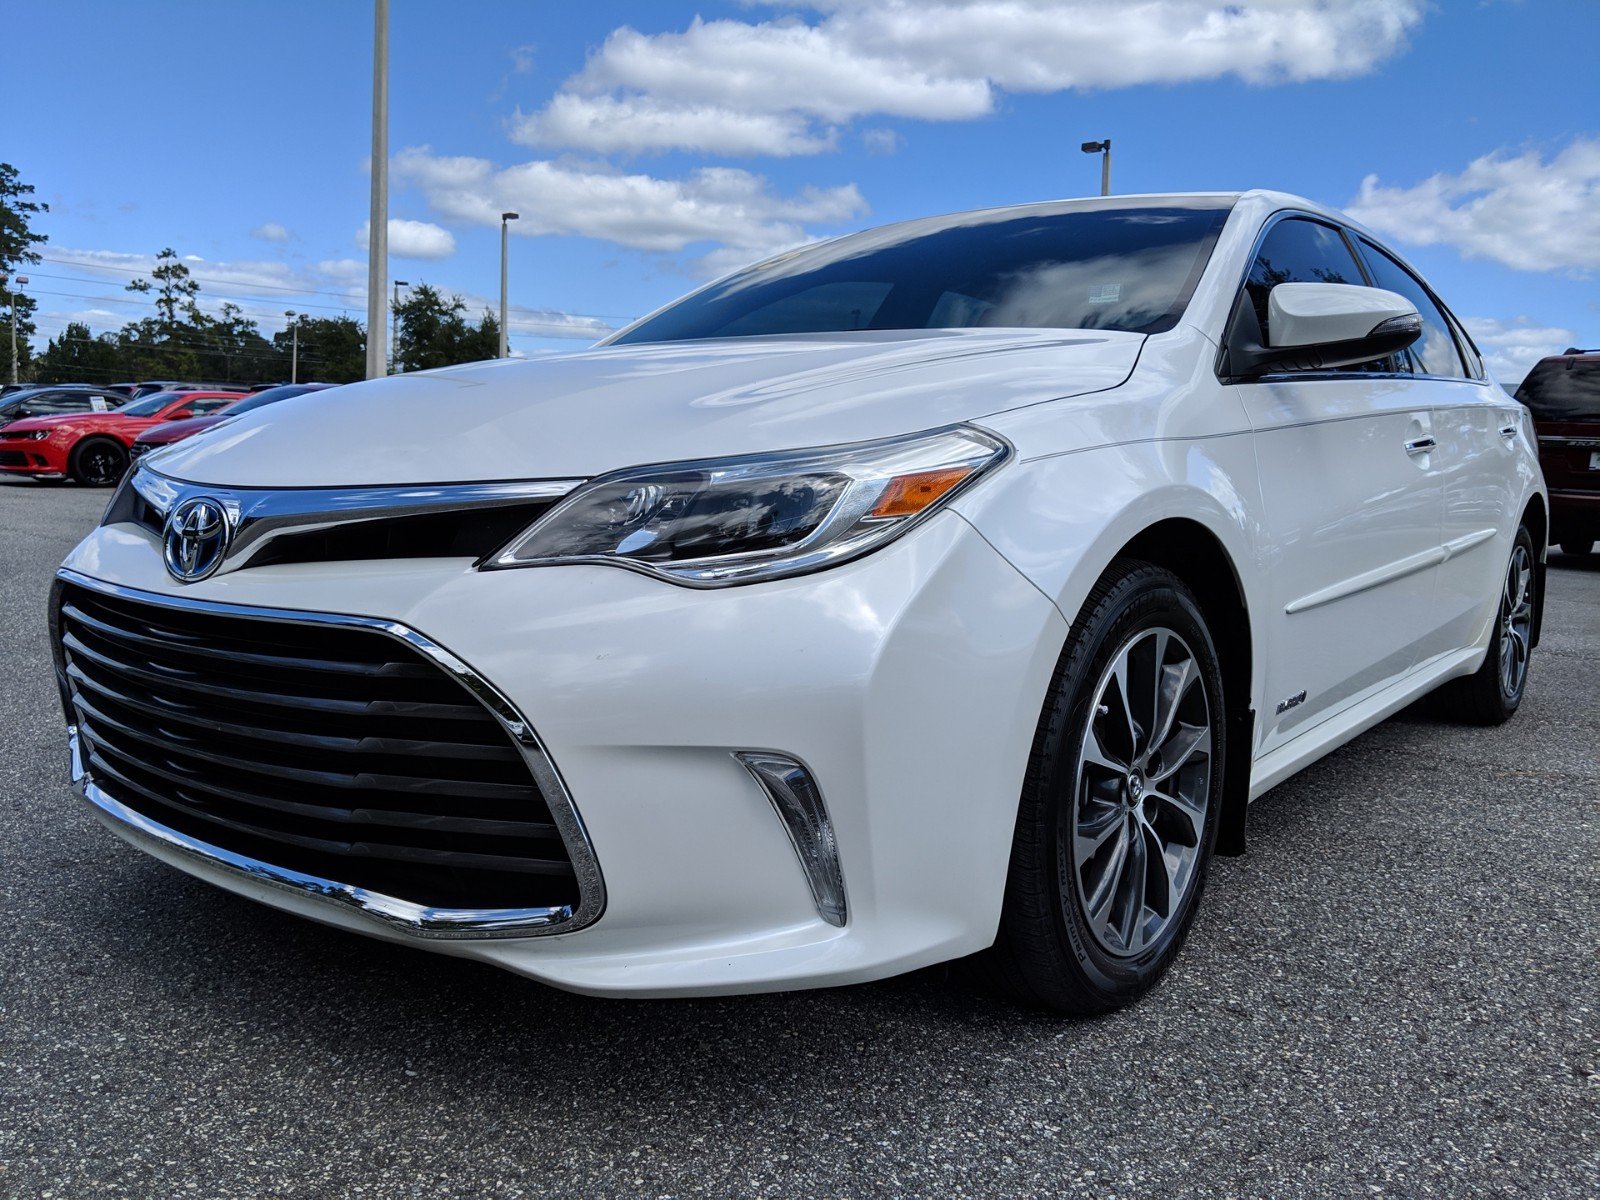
[909, 682]
[39, 459]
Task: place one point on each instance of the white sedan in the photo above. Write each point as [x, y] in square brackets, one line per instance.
[948, 589]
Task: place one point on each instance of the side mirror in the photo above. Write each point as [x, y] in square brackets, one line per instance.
[1318, 326]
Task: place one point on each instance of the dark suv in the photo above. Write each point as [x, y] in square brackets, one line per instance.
[1563, 395]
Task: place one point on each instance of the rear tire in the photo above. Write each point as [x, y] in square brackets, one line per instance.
[1120, 804]
[98, 462]
[1576, 546]
[1492, 695]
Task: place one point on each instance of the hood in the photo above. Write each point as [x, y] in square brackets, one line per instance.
[176, 431]
[60, 419]
[598, 410]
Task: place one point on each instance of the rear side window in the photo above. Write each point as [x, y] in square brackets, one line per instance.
[1435, 352]
[1299, 251]
[200, 407]
[1563, 389]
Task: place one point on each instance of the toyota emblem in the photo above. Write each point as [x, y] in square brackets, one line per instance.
[196, 539]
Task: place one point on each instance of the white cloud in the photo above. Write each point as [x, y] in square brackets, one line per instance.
[271, 232]
[1521, 211]
[629, 124]
[880, 140]
[1511, 348]
[413, 239]
[783, 86]
[723, 205]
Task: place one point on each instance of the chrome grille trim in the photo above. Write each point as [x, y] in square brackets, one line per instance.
[259, 515]
[385, 910]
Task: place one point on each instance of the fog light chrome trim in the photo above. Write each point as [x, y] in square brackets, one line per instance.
[797, 800]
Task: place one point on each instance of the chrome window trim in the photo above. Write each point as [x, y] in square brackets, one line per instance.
[390, 911]
[260, 514]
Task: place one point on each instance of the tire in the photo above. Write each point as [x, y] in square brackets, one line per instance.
[98, 462]
[1492, 695]
[1577, 546]
[1075, 936]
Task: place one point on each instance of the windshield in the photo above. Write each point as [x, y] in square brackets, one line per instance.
[267, 396]
[1563, 389]
[149, 406]
[1096, 266]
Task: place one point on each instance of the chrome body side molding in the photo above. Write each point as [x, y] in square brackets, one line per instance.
[1389, 572]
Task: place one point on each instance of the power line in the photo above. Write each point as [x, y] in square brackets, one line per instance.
[355, 297]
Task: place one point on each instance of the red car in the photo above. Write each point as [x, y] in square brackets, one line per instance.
[1562, 393]
[175, 431]
[92, 447]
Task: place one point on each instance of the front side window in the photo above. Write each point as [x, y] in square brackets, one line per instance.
[1299, 251]
[1129, 267]
[1434, 353]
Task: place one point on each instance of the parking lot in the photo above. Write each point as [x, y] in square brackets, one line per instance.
[1395, 992]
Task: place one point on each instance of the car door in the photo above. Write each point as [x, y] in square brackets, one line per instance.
[1350, 504]
[1474, 460]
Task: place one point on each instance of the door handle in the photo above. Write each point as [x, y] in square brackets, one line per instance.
[1420, 445]
[1508, 432]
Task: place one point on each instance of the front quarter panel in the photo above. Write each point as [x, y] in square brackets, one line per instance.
[1090, 477]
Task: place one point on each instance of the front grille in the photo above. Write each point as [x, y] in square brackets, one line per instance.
[334, 751]
[474, 532]
[13, 458]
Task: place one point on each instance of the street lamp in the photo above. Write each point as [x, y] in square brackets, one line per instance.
[10, 287]
[505, 223]
[395, 366]
[378, 221]
[1105, 163]
[294, 343]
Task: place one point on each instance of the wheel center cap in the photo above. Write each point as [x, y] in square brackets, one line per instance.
[1135, 786]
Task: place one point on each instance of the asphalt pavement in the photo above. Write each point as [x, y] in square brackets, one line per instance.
[1395, 992]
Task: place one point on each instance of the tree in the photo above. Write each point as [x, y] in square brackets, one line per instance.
[433, 332]
[75, 355]
[17, 242]
[175, 290]
[332, 350]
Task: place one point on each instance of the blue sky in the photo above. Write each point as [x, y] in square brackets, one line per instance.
[649, 145]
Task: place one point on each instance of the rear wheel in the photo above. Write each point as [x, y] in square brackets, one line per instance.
[1577, 546]
[1120, 805]
[98, 462]
[1492, 695]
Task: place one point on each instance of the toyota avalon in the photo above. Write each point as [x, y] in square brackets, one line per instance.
[948, 590]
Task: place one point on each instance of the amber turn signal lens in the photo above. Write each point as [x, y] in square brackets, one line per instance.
[908, 495]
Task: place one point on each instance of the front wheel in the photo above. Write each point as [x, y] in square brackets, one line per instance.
[1493, 694]
[98, 462]
[1120, 804]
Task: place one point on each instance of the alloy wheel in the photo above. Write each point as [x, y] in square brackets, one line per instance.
[1516, 622]
[100, 465]
[1142, 792]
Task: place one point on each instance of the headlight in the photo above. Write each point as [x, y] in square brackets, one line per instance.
[723, 521]
[33, 435]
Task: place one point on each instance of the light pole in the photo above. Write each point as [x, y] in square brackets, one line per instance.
[378, 222]
[11, 287]
[505, 223]
[1105, 163]
[394, 329]
[294, 343]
